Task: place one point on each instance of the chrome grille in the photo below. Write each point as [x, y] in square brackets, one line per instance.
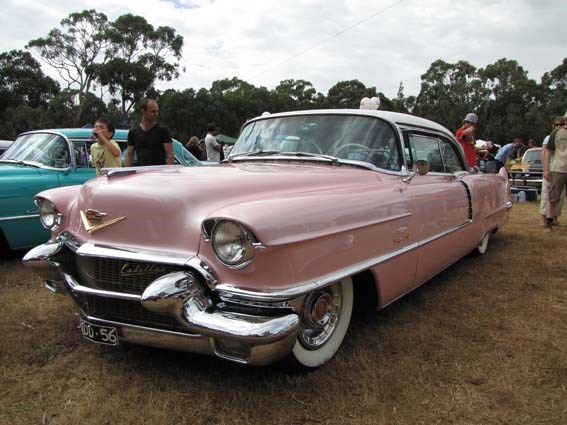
[120, 275]
[131, 312]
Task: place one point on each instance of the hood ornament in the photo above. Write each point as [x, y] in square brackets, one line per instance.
[93, 220]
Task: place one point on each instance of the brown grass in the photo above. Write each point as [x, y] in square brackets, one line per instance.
[483, 343]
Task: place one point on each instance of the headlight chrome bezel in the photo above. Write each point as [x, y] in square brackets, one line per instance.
[221, 240]
[49, 216]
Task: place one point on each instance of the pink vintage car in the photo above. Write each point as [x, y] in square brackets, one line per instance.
[265, 256]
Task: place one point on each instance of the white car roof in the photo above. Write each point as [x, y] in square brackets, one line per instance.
[397, 118]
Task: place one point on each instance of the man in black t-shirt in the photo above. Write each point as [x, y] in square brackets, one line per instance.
[150, 141]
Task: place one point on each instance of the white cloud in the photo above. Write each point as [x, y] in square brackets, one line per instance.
[380, 43]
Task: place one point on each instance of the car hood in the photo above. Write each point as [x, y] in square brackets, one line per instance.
[165, 209]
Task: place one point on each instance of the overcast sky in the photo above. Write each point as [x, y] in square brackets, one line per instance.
[380, 42]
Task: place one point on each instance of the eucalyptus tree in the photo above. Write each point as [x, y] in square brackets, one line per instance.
[75, 49]
[554, 83]
[137, 55]
[25, 92]
[514, 102]
[177, 111]
[22, 82]
[298, 94]
[347, 94]
[449, 91]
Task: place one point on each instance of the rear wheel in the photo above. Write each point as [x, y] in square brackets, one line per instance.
[483, 244]
[323, 324]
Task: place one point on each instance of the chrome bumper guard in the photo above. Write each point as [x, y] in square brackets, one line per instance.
[243, 338]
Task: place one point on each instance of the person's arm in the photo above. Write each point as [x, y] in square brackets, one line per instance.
[129, 156]
[216, 145]
[169, 156]
[114, 150]
[547, 152]
[546, 160]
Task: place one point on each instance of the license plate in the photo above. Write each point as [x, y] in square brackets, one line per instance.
[99, 334]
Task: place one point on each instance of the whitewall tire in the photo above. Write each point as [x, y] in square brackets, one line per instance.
[323, 324]
[483, 244]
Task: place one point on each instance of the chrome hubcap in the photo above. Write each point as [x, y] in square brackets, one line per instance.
[321, 312]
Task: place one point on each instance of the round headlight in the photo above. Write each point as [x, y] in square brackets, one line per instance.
[232, 243]
[48, 214]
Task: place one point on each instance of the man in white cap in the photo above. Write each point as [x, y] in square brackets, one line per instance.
[466, 135]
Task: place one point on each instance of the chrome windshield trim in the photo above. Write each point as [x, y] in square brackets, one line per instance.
[230, 292]
[316, 160]
[19, 217]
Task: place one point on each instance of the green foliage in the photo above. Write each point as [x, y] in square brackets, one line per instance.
[126, 57]
[75, 49]
[15, 120]
[137, 56]
[347, 94]
[23, 82]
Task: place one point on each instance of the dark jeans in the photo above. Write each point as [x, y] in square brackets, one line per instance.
[498, 164]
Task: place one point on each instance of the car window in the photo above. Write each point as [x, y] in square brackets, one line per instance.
[533, 156]
[82, 155]
[438, 151]
[451, 160]
[426, 148]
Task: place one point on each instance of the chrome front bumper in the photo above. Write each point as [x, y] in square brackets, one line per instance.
[241, 337]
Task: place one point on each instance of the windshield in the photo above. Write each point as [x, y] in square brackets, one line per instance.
[189, 158]
[46, 149]
[533, 156]
[345, 137]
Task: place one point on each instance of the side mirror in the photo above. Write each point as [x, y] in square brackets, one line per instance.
[421, 167]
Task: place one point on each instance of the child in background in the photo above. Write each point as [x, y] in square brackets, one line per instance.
[105, 153]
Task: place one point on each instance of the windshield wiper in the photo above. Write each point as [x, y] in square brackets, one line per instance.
[20, 162]
[331, 158]
[253, 153]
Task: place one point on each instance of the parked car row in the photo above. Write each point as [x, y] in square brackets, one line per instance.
[40, 160]
[265, 256]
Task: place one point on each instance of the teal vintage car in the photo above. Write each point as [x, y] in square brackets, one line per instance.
[45, 159]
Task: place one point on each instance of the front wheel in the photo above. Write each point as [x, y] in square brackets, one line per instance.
[323, 324]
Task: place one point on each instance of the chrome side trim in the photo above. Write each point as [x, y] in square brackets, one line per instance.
[19, 217]
[229, 292]
[500, 210]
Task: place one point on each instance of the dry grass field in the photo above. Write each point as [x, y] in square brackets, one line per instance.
[483, 343]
